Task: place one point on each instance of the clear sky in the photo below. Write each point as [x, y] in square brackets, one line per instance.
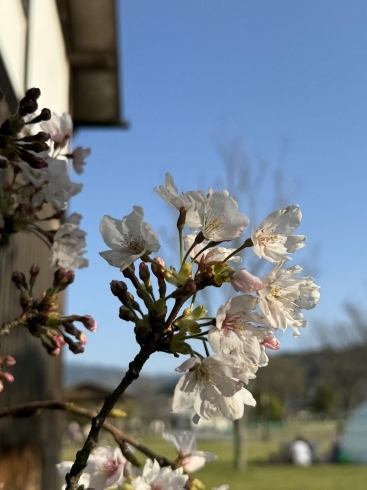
[291, 77]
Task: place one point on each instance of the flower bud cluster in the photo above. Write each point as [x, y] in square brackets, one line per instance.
[15, 144]
[40, 315]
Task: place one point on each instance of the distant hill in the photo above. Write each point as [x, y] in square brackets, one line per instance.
[110, 377]
[300, 378]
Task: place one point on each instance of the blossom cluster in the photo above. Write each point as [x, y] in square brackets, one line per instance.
[35, 185]
[244, 326]
[35, 189]
[107, 467]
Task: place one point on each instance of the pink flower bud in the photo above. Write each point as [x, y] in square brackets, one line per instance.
[160, 261]
[245, 282]
[271, 342]
[35, 270]
[144, 273]
[53, 351]
[158, 271]
[63, 278]
[57, 340]
[7, 360]
[9, 378]
[89, 323]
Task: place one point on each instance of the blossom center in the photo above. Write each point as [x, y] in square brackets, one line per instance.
[268, 239]
[214, 225]
[110, 467]
[230, 323]
[133, 244]
[276, 292]
[204, 373]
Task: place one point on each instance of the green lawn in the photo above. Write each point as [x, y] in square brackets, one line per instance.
[260, 475]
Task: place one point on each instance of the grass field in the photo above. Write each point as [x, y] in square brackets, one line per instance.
[260, 475]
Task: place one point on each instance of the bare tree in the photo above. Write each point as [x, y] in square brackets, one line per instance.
[250, 180]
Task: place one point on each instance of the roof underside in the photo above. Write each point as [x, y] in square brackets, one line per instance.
[90, 31]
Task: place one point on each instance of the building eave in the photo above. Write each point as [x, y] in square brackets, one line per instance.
[91, 38]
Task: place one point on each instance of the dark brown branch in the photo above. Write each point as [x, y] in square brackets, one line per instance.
[131, 375]
[31, 408]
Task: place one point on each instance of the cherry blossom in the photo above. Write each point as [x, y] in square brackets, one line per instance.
[185, 443]
[252, 350]
[233, 320]
[78, 156]
[129, 238]
[105, 467]
[217, 217]
[170, 194]
[211, 384]
[69, 245]
[284, 296]
[273, 239]
[156, 478]
[57, 188]
[60, 128]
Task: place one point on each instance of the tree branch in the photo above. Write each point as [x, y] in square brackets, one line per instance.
[21, 320]
[31, 408]
[131, 375]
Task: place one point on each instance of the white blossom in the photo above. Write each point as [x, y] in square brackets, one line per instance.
[78, 156]
[60, 128]
[273, 239]
[69, 245]
[222, 487]
[57, 188]
[185, 443]
[242, 332]
[105, 467]
[252, 350]
[233, 407]
[170, 194]
[156, 478]
[284, 296]
[213, 383]
[217, 217]
[129, 238]
[35, 176]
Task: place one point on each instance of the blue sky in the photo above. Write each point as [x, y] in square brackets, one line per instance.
[290, 77]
